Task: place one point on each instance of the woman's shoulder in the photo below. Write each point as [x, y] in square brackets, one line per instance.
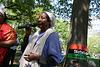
[8, 32]
[6, 26]
[53, 34]
[7, 29]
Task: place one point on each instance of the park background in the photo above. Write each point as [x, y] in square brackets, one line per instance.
[21, 12]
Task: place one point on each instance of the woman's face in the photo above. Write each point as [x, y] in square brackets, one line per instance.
[1, 18]
[43, 22]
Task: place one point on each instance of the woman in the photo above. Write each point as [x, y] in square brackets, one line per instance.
[44, 48]
[7, 38]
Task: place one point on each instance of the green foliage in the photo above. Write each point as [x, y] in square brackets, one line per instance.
[21, 32]
[94, 44]
[23, 8]
[61, 28]
[21, 12]
[94, 7]
[63, 8]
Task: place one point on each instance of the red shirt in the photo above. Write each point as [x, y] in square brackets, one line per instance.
[6, 33]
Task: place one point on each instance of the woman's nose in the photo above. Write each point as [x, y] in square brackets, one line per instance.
[39, 19]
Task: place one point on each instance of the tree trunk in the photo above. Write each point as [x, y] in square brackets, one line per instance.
[78, 32]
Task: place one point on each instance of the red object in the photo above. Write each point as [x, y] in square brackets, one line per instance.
[78, 47]
[6, 33]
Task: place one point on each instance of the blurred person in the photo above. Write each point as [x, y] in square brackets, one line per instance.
[25, 41]
[91, 64]
[75, 63]
[7, 39]
[12, 52]
[44, 48]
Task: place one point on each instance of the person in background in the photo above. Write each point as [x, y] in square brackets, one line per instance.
[75, 63]
[7, 39]
[44, 47]
[25, 41]
[91, 64]
[12, 52]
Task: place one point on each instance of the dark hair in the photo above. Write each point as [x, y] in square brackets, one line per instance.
[75, 61]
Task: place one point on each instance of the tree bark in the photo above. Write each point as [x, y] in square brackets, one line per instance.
[78, 29]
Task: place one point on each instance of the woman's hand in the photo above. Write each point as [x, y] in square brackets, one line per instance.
[28, 31]
[31, 56]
